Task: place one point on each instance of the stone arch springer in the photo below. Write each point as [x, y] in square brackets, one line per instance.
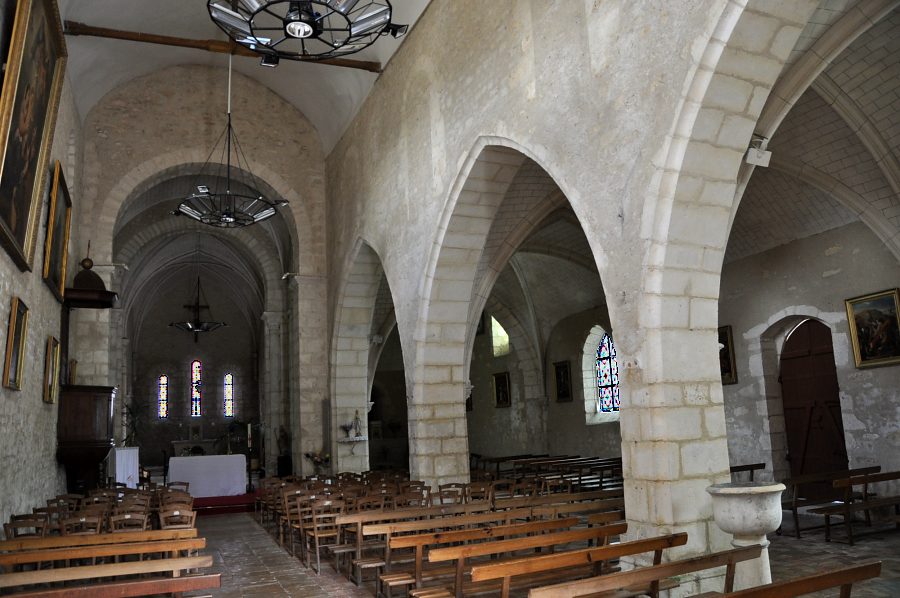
[350, 350]
[673, 432]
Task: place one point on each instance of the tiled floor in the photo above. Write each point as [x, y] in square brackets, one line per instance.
[252, 563]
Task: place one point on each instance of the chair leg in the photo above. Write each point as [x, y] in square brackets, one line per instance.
[796, 522]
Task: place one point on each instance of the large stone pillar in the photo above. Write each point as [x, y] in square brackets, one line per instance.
[272, 409]
[309, 408]
[438, 432]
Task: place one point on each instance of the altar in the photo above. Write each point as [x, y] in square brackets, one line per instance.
[213, 475]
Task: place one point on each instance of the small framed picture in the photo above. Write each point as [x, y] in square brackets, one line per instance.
[874, 328]
[51, 371]
[501, 390]
[14, 364]
[563, 381]
[726, 356]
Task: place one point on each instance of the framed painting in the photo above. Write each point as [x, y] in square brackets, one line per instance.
[563, 381]
[51, 371]
[726, 356]
[59, 220]
[874, 328]
[501, 390]
[35, 61]
[16, 333]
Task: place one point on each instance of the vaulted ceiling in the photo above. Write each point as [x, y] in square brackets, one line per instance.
[328, 96]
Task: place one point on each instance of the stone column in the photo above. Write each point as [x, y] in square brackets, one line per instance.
[310, 413]
[438, 434]
[272, 388]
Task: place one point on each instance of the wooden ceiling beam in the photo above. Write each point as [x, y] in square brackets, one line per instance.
[210, 45]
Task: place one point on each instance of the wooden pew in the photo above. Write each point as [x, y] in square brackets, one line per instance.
[796, 485]
[866, 502]
[419, 542]
[171, 568]
[566, 562]
[362, 524]
[48, 542]
[585, 508]
[559, 498]
[646, 579]
[50, 555]
[462, 554]
[843, 577]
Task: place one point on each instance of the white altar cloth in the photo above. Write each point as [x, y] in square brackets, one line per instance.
[212, 475]
[122, 464]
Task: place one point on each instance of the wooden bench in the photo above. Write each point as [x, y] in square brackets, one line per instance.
[550, 541]
[47, 542]
[796, 485]
[559, 498]
[419, 542]
[646, 580]
[843, 577]
[168, 573]
[367, 523]
[865, 501]
[569, 562]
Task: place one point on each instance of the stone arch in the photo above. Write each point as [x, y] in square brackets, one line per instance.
[350, 351]
[686, 225]
[766, 360]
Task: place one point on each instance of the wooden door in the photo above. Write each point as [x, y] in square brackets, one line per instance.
[812, 408]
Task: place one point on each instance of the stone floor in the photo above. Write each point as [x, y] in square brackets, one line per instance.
[252, 563]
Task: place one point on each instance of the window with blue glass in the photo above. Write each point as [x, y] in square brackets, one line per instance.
[607, 370]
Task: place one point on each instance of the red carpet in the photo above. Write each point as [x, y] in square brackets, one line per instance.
[217, 505]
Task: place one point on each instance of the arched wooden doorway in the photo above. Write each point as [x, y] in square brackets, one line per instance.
[812, 407]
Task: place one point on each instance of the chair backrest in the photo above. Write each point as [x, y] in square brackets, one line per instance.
[81, 524]
[478, 492]
[128, 522]
[323, 515]
[177, 519]
[416, 498]
[447, 496]
[183, 486]
[33, 527]
[373, 502]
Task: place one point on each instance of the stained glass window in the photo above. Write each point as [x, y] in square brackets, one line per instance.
[607, 376]
[229, 395]
[162, 397]
[196, 371]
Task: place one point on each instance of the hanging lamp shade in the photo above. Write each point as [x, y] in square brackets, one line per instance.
[224, 194]
[304, 29]
[196, 324]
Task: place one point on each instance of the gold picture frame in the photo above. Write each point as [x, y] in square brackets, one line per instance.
[16, 333]
[51, 371]
[874, 328]
[56, 245]
[29, 100]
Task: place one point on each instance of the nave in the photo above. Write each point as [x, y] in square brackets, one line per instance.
[252, 564]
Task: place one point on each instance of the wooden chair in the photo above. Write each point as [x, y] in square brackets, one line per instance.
[128, 522]
[449, 494]
[81, 525]
[31, 527]
[323, 530]
[177, 519]
[478, 492]
[183, 486]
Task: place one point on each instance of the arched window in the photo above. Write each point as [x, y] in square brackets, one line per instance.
[229, 395]
[499, 339]
[162, 396]
[607, 376]
[196, 379]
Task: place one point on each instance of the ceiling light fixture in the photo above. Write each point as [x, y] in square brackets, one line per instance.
[304, 29]
[196, 325]
[208, 202]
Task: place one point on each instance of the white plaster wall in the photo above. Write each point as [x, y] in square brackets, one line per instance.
[29, 473]
[811, 277]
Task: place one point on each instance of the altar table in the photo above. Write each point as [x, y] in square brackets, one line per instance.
[212, 475]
